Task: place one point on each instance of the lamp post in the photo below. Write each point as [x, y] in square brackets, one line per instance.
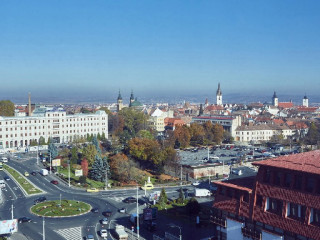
[138, 230]
[175, 226]
[50, 162]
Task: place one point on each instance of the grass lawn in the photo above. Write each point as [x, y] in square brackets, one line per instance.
[91, 183]
[26, 185]
[67, 208]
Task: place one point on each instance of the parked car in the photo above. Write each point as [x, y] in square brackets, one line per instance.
[196, 183]
[24, 219]
[130, 200]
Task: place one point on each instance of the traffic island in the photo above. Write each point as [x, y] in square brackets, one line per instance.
[63, 208]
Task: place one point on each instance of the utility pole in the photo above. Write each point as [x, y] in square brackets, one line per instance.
[69, 172]
[50, 163]
[43, 230]
[138, 236]
[38, 154]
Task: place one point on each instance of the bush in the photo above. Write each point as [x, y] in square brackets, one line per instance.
[82, 179]
[193, 207]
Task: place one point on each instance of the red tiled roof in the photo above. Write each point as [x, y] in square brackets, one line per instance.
[306, 109]
[214, 107]
[245, 184]
[285, 104]
[308, 162]
[214, 117]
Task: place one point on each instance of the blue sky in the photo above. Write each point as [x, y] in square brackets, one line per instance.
[159, 47]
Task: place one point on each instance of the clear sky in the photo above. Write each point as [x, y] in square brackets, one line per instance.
[170, 46]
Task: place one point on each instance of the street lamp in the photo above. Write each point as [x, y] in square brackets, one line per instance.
[175, 226]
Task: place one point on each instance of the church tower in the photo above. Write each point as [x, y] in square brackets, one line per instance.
[275, 99]
[219, 95]
[305, 101]
[119, 102]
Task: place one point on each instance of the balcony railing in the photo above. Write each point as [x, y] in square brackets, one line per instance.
[250, 233]
[218, 221]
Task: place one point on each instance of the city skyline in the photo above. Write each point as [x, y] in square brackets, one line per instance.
[83, 48]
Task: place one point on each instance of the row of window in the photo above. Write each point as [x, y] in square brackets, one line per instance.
[296, 181]
[234, 193]
[293, 210]
[55, 120]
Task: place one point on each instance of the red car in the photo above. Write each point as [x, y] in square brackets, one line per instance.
[55, 182]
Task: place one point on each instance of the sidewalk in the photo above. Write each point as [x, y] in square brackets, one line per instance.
[18, 236]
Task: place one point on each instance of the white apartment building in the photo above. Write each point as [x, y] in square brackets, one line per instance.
[262, 133]
[52, 123]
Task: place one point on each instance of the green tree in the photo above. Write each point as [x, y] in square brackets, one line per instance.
[52, 149]
[193, 207]
[181, 196]
[145, 134]
[98, 170]
[83, 179]
[96, 143]
[312, 136]
[163, 199]
[33, 143]
[89, 152]
[6, 108]
[42, 141]
[74, 155]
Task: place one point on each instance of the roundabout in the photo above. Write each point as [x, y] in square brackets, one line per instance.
[61, 208]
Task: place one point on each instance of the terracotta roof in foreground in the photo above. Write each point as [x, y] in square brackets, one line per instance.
[308, 162]
[245, 184]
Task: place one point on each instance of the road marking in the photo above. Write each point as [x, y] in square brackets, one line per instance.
[74, 233]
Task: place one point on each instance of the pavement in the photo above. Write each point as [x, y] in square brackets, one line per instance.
[18, 236]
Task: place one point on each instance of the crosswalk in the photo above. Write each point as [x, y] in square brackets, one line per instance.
[70, 233]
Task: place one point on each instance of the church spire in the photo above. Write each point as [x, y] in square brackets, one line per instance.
[119, 96]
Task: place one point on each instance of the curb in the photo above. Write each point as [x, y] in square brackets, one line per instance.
[62, 216]
[21, 188]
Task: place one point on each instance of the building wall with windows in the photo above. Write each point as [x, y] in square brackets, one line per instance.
[281, 201]
[18, 132]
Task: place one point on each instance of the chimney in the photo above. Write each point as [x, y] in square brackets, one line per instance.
[29, 105]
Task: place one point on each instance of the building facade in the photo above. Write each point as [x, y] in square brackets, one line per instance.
[229, 123]
[16, 132]
[280, 203]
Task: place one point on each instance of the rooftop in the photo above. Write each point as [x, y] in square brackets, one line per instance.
[308, 162]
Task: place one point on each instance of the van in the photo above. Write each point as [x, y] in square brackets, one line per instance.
[4, 159]
[2, 184]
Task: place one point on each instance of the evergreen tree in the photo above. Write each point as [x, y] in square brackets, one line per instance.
[163, 198]
[42, 141]
[98, 170]
[96, 143]
[74, 155]
[193, 207]
[52, 149]
[103, 137]
[181, 196]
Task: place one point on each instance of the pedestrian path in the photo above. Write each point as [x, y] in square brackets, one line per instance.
[70, 233]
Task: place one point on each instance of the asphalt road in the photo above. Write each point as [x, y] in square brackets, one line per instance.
[72, 227]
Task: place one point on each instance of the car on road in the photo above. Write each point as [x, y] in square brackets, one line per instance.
[104, 221]
[130, 200]
[40, 199]
[148, 186]
[55, 182]
[103, 233]
[92, 190]
[89, 237]
[26, 174]
[107, 213]
[95, 210]
[122, 210]
[33, 173]
[6, 178]
[196, 183]
[24, 219]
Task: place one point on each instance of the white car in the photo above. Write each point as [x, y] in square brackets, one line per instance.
[103, 233]
[197, 183]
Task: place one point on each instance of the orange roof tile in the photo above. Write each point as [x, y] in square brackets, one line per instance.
[308, 162]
